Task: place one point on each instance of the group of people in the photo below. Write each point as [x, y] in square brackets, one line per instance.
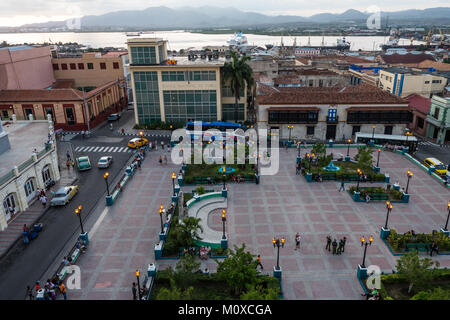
[40, 194]
[372, 295]
[237, 178]
[204, 252]
[51, 288]
[338, 248]
[137, 161]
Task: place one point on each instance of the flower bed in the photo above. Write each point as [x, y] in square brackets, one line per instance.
[398, 242]
[209, 173]
[377, 193]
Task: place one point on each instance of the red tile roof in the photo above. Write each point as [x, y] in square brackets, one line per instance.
[405, 58]
[63, 84]
[40, 95]
[419, 103]
[315, 72]
[287, 79]
[433, 64]
[362, 94]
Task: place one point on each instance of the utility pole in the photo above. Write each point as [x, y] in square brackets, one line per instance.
[85, 112]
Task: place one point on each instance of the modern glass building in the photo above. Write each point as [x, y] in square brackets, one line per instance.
[179, 89]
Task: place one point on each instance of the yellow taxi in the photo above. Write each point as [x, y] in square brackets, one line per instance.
[137, 142]
[439, 167]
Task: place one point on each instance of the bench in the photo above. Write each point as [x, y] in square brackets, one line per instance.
[418, 247]
[249, 178]
[75, 254]
[378, 196]
[203, 180]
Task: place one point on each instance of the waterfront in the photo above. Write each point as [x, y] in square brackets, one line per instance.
[183, 40]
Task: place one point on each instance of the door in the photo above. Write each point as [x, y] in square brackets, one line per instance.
[9, 202]
[331, 132]
[48, 110]
[70, 115]
[27, 111]
[30, 189]
[46, 174]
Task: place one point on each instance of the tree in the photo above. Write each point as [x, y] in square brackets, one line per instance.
[260, 293]
[184, 270]
[238, 269]
[319, 149]
[364, 157]
[187, 231]
[435, 294]
[174, 293]
[415, 270]
[240, 75]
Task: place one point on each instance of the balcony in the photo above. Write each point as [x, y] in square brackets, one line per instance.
[333, 120]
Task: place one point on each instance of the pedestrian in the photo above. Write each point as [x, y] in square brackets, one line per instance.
[25, 228]
[44, 201]
[433, 248]
[367, 197]
[258, 259]
[340, 246]
[165, 159]
[342, 186]
[68, 155]
[123, 131]
[297, 169]
[37, 286]
[68, 164]
[334, 245]
[162, 144]
[297, 241]
[328, 247]
[344, 240]
[30, 293]
[63, 290]
[160, 160]
[73, 164]
[134, 291]
[42, 193]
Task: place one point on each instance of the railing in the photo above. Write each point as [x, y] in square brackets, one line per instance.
[25, 164]
[6, 177]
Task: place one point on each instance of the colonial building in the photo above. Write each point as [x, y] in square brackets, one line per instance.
[179, 89]
[438, 120]
[420, 108]
[323, 113]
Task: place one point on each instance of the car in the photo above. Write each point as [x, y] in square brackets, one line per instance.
[63, 195]
[137, 142]
[114, 117]
[439, 167]
[83, 163]
[105, 161]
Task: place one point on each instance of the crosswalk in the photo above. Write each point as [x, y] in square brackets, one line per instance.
[429, 143]
[102, 149]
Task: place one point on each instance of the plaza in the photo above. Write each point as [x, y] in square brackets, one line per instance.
[281, 205]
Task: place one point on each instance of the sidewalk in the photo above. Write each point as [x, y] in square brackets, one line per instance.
[13, 232]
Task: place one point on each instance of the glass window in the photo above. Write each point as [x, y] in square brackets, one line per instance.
[90, 66]
[73, 66]
[115, 65]
[310, 131]
[81, 66]
[103, 65]
[55, 66]
[64, 66]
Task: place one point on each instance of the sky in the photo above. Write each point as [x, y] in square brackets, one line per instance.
[19, 12]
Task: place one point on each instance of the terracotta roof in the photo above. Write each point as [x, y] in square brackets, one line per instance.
[287, 79]
[303, 60]
[434, 64]
[405, 58]
[348, 59]
[264, 89]
[362, 94]
[315, 72]
[419, 103]
[114, 54]
[40, 95]
[377, 108]
[63, 84]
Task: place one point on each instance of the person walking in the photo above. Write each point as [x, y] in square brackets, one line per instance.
[297, 241]
[328, 247]
[30, 293]
[342, 186]
[334, 245]
[73, 164]
[123, 131]
[134, 290]
[297, 169]
[162, 144]
[434, 248]
[160, 160]
[68, 155]
[258, 259]
[68, 164]
[63, 290]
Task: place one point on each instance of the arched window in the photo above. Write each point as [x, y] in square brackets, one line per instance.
[10, 206]
[30, 188]
[46, 174]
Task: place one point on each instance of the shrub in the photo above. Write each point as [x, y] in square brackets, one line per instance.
[395, 194]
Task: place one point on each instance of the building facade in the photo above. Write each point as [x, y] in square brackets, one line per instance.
[179, 89]
[420, 108]
[438, 120]
[323, 113]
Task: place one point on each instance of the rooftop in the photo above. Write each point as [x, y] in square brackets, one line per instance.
[419, 103]
[360, 95]
[403, 70]
[23, 137]
[405, 58]
[17, 48]
[142, 40]
[184, 61]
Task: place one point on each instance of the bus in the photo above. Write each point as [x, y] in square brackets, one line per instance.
[391, 141]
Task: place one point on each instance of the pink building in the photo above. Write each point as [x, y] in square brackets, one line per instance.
[25, 67]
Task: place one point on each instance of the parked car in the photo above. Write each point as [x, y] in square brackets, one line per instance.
[63, 195]
[105, 161]
[114, 117]
[137, 142]
[83, 163]
[439, 167]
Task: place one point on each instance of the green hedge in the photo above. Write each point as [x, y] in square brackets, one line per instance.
[398, 241]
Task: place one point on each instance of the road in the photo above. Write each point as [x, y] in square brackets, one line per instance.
[428, 149]
[26, 264]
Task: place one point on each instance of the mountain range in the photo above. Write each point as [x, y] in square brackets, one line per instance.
[214, 17]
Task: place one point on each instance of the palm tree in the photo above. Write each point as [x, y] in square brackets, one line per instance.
[240, 75]
[188, 231]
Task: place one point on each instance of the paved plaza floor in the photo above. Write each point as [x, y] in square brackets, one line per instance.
[280, 205]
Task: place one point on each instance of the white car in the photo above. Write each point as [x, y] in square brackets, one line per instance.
[105, 161]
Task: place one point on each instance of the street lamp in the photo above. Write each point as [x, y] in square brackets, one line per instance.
[105, 176]
[373, 132]
[290, 127]
[278, 243]
[173, 182]
[137, 273]
[141, 133]
[448, 215]
[359, 178]
[365, 244]
[389, 207]
[299, 145]
[348, 147]
[223, 176]
[409, 174]
[78, 213]
[161, 210]
[378, 159]
[224, 219]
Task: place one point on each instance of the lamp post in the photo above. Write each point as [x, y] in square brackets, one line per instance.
[359, 178]
[224, 219]
[290, 127]
[105, 176]
[448, 215]
[278, 243]
[378, 159]
[348, 147]
[137, 273]
[389, 207]
[161, 210]
[299, 145]
[409, 175]
[78, 213]
[365, 244]
[223, 176]
[373, 132]
[174, 176]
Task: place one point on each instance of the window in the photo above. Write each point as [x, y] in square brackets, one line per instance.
[436, 113]
[70, 116]
[73, 66]
[90, 66]
[173, 76]
[46, 173]
[81, 66]
[420, 122]
[310, 131]
[311, 83]
[426, 82]
[103, 65]
[115, 65]
[147, 97]
[388, 129]
[64, 66]
[181, 105]
[29, 187]
[143, 55]
[55, 66]
[202, 76]
[228, 112]
[9, 206]
[320, 83]
[355, 129]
